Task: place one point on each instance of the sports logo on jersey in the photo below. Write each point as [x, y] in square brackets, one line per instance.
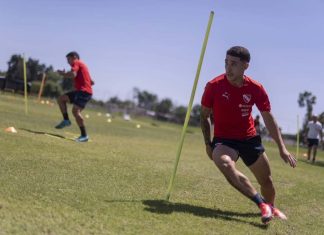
[247, 98]
[226, 95]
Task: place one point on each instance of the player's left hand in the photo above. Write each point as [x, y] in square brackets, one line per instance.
[288, 158]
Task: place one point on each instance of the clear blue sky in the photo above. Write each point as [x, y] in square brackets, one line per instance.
[155, 44]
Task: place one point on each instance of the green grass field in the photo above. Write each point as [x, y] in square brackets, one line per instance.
[116, 183]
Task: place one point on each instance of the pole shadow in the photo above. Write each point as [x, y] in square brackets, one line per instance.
[165, 207]
[46, 133]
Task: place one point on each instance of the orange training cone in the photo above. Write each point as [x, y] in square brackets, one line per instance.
[11, 130]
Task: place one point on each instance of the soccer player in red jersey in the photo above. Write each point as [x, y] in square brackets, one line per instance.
[229, 98]
[79, 97]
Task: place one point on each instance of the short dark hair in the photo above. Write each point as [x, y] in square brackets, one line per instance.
[73, 54]
[240, 52]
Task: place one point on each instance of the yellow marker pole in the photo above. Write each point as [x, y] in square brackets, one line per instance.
[25, 84]
[41, 87]
[297, 144]
[211, 16]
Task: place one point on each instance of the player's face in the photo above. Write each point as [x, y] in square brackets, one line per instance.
[71, 60]
[234, 67]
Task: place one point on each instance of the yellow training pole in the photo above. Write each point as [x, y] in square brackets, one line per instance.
[190, 105]
[297, 144]
[41, 87]
[25, 84]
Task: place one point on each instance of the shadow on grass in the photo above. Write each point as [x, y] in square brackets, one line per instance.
[123, 200]
[164, 207]
[46, 133]
[316, 163]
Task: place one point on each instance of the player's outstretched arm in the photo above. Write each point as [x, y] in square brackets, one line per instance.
[70, 74]
[205, 128]
[273, 129]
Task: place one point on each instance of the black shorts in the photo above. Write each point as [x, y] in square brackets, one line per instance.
[312, 142]
[249, 150]
[79, 98]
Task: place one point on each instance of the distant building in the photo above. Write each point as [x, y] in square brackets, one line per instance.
[2, 82]
[13, 85]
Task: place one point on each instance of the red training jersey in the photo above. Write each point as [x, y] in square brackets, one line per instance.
[82, 81]
[232, 106]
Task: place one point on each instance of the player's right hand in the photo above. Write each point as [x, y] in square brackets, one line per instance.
[288, 158]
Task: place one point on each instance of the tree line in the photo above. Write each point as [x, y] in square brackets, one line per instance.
[148, 103]
[54, 85]
[163, 109]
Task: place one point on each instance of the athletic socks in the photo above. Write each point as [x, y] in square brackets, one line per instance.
[66, 116]
[258, 199]
[83, 131]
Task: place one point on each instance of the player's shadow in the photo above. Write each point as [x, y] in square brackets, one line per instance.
[123, 200]
[316, 163]
[45, 133]
[164, 207]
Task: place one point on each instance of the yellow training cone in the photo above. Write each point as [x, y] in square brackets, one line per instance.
[11, 130]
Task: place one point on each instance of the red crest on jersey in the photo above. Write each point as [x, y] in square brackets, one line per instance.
[246, 98]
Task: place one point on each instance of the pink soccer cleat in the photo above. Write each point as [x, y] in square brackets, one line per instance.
[278, 214]
[266, 213]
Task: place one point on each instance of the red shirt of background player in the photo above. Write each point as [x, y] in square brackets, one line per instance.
[82, 81]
